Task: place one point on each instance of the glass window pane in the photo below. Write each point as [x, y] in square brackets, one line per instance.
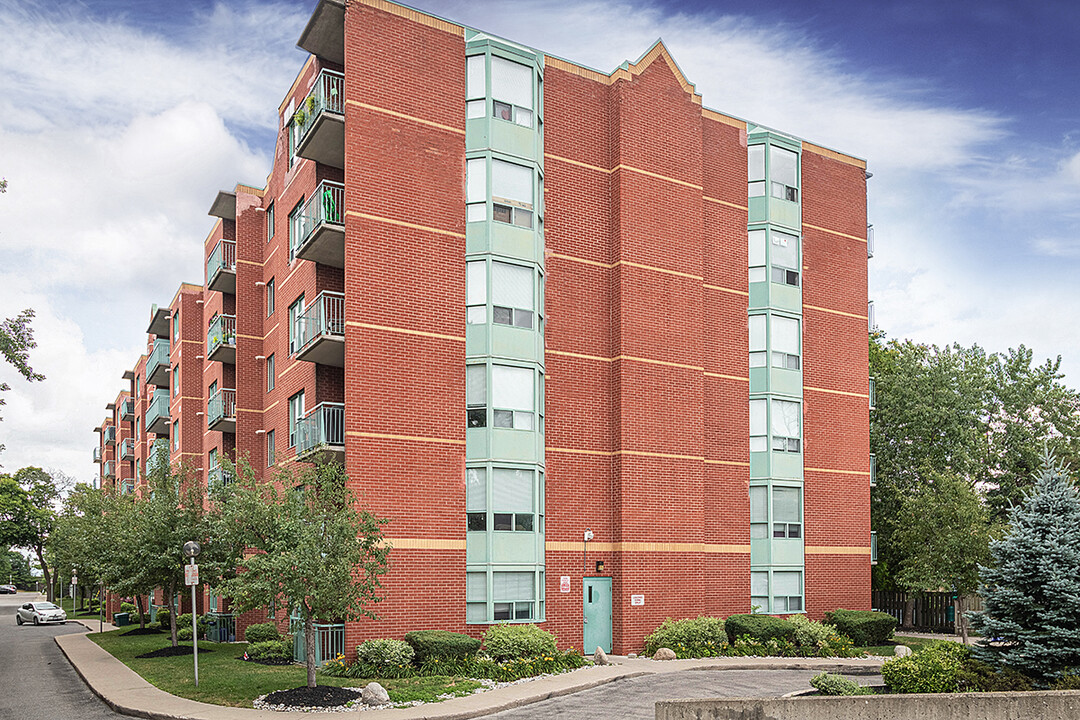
[759, 583]
[785, 250]
[476, 522]
[476, 77]
[475, 587]
[476, 490]
[512, 490]
[512, 182]
[501, 315]
[511, 82]
[783, 166]
[785, 419]
[475, 384]
[512, 387]
[476, 612]
[474, 109]
[755, 155]
[476, 315]
[523, 420]
[757, 359]
[785, 335]
[477, 212]
[476, 180]
[786, 504]
[502, 611]
[759, 530]
[475, 283]
[512, 285]
[757, 247]
[510, 586]
[757, 274]
[503, 521]
[759, 509]
[758, 424]
[787, 583]
[757, 332]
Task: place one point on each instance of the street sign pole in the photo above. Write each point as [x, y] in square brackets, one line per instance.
[195, 621]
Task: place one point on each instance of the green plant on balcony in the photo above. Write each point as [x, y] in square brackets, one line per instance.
[310, 105]
[299, 116]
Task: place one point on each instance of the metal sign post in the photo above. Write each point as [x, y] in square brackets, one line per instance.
[191, 577]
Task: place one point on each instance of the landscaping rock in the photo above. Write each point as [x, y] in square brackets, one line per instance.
[375, 694]
[902, 650]
[664, 654]
[632, 655]
[600, 657]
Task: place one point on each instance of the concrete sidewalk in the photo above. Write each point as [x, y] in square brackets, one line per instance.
[122, 689]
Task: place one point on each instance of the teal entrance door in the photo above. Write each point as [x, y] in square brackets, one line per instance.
[597, 598]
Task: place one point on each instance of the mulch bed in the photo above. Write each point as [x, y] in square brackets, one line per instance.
[143, 631]
[278, 661]
[170, 651]
[321, 696]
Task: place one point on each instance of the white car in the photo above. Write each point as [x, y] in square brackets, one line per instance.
[40, 613]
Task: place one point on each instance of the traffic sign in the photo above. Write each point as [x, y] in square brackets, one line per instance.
[191, 574]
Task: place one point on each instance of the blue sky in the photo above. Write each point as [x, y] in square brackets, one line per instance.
[119, 121]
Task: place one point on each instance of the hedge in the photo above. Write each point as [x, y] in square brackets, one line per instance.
[262, 632]
[864, 627]
[759, 627]
[441, 644]
[509, 642]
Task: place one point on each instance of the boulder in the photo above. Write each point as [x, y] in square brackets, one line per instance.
[375, 694]
[664, 654]
[632, 655]
[902, 650]
[600, 657]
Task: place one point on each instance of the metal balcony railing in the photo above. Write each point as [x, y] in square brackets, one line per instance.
[127, 487]
[157, 414]
[221, 406]
[110, 435]
[324, 317]
[329, 641]
[159, 455]
[218, 477]
[110, 469]
[97, 454]
[327, 95]
[220, 627]
[157, 365]
[323, 426]
[127, 409]
[127, 449]
[222, 260]
[324, 207]
[222, 332]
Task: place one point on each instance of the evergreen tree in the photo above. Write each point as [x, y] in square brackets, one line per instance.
[1031, 593]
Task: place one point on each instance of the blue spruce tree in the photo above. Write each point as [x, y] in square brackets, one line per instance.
[1031, 593]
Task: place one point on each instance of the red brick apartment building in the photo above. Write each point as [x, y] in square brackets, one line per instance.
[597, 351]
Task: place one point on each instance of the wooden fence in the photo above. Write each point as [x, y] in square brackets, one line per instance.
[931, 612]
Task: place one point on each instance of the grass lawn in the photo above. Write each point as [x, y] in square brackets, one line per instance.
[915, 643]
[66, 604]
[224, 680]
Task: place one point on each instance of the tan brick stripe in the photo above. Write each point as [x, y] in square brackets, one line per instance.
[836, 550]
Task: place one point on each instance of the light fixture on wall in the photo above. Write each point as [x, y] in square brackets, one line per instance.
[599, 566]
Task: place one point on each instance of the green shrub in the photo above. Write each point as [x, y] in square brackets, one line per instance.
[935, 669]
[128, 607]
[269, 650]
[164, 617]
[1068, 680]
[692, 637]
[829, 684]
[262, 632]
[759, 627]
[183, 633]
[977, 676]
[440, 644]
[183, 620]
[864, 627]
[507, 642]
[385, 652]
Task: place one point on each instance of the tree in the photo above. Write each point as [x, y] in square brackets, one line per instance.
[1031, 590]
[85, 537]
[944, 537]
[15, 570]
[27, 514]
[16, 342]
[307, 542]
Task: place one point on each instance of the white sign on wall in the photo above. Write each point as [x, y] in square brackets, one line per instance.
[637, 599]
[564, 584]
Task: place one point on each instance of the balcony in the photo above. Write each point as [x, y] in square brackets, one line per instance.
[322, 226]
[221, 411]
[127, 449]
[159, 321]
[221, 340]
[321, 331]
[159, 455]
[110, 435]
[324, 35]
[127, 487]
[157, 415]
[320, 435]
[157, 365]
[97, 454]
[109, 470]
[319, 123]
[127, 410]
[217, 478]
[221, 268]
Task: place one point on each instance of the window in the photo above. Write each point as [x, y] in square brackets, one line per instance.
[270, 222]
[784, 258]
[296, 313]
[755, 156]
[476, 396]
[787, 512]
[176, 380]
[512, 500]
[785, 343]
[783, 173]
[212, 391]
[475, 86]
[511, 90]
[476, 499]
[512, 295]
[787, 592]
[514, 594]
[476, 597]
[476, 189]
[512, 397]
[511, 192]
[296, 228]
[296, 411]
[476, 292]
[271, 376]
[758, 341]
[759, 512]
[271, 450]
[176, 326]
[176, 435]
[270, 297]
[786, 421]
[759, 590]
[759, 426]
[137, 432]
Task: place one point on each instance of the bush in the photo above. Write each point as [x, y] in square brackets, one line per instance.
[262, 632]
[183, 633]
[692, 637]
[269, 650]
[829, 684]
[759, 627]
[164, 617]
[128, 607]
[820, 639]
[385, 652]
[1068, 680]
[864, 627]
[508, 642]
[440, 644]
[935, 669]
[977, 676]
[183, 620]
